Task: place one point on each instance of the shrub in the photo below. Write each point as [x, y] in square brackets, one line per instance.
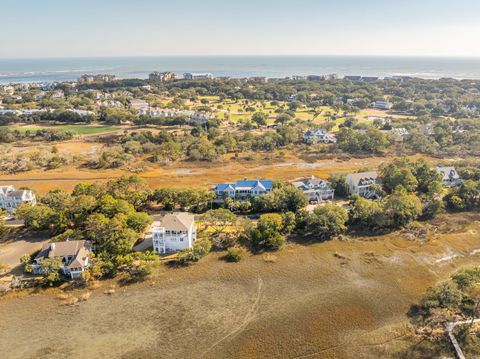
[268, 233]
[327, 221]
[200, 249]
[234, 254]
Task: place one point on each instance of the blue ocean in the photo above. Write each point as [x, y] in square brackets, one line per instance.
[68, 69]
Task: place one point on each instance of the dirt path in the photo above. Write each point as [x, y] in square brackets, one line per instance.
[248, 318]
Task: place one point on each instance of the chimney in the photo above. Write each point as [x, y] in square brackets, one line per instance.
[52, 246]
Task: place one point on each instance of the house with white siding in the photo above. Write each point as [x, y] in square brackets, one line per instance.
[315, 189]
[319, 136]
[10, 198]
[382, 105]
[243, 190]
[140, 106]
[450, 176]
[197, 76]
[173, 232]
[363, 184]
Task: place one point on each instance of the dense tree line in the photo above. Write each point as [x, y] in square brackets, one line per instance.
[108, 215]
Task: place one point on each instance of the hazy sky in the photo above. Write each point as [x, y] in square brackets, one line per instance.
[71, 28]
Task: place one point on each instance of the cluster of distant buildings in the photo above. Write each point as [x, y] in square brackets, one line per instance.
[142, 107]
[315, 77]
[88, 79]
[27, 112]
[171, 76]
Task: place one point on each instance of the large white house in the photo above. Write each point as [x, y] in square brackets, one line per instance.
[315, 189]
[10, 198]
[140, 106]
[382, 105]
[362, 184]
[193, 116]
[450, 176]
[162, 76]
[197, 76]
[243, 190]
[174, 232]
[319, 136]
[73, 254]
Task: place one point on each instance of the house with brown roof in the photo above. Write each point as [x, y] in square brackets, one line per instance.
[173, 232]
[73, 254]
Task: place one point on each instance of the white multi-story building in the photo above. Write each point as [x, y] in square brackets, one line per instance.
[58, 94]
[10, 112]
[193, 76]
[39, 96]
[397, 133]
[319, 136]
[162, 76]
[193, 116]
[10, 198]
[8, 90]
[140, 106]
[243, 190]
[174, 232]
[110, 103]
[450, 176]
[363, 184]
[382, 105]
[315, 189]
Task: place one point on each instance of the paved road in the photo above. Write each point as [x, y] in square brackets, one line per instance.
[10, 253]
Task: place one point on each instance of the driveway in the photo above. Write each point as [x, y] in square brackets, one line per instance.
[11, 252]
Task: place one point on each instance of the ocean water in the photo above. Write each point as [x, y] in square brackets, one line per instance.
[68, 69]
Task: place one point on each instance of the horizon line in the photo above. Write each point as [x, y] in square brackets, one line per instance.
[243, 55]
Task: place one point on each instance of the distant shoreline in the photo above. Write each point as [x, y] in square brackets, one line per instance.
[68, 69]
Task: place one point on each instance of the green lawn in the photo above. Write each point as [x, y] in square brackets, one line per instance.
[79, 129]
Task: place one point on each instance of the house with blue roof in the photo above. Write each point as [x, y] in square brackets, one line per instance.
[243, 190]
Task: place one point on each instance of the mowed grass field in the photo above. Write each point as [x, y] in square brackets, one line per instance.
[338, 299]
[79, 129]
[237, 111]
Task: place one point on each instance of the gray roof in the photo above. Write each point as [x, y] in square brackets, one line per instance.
[5, 189]
[448, 172]
[311, 182]
[178, 221]
[356, 178]
[78, 250]
[17, 193]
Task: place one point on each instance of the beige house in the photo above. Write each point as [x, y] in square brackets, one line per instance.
[74, 256]
[362, 184]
